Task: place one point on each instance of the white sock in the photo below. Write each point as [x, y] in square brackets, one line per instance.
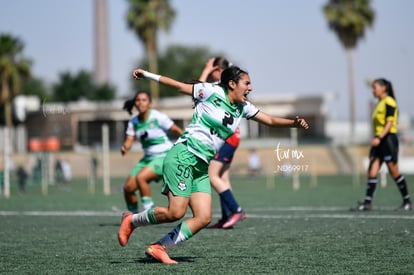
[142, 218]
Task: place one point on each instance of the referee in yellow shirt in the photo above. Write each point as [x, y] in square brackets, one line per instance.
[384, 145]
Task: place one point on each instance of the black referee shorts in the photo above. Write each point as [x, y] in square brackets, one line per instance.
[387, 150]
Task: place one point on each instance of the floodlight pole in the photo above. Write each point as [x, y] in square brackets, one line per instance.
[44, 172]
[105, 158]
[7, 150]
[92, 174]
[294, 145]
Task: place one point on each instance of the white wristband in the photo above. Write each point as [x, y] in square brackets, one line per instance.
[148, 75]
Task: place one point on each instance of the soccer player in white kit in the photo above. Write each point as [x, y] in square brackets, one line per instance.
[217, 114]
[219, 167]
[151, 128]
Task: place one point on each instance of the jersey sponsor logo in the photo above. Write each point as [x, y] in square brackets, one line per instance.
[153, 124]
[182, 186]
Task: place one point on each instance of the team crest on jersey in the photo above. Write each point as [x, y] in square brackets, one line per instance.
[201, 94]
[237, 112]
[182, 186]
[152, 124]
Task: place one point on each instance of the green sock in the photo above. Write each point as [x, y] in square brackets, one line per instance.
[145, 217]
[132, 207]
[147, 202]
[178, 235]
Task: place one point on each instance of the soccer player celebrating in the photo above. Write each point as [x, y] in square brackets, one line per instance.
[384, 145]
[219, 168]
[150, 127]
[217, 114]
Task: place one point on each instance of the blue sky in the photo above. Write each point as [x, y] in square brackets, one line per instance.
[285, 45]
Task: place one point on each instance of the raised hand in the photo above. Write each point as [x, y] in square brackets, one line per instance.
[138, 74]
[300, 123]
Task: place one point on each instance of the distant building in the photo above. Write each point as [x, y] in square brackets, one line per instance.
[79, 124]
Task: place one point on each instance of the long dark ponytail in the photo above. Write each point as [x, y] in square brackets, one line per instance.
[130, 103]
[388, 86]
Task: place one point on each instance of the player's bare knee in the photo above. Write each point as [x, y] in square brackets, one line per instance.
[204, 220]
[214, 179]
[372, 173]
[141, 180]
[129, 188]
[175, 215]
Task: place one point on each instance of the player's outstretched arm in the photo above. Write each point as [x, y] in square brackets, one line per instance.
[176, 130]
[179, 86]
[129, 140]
[280, 122]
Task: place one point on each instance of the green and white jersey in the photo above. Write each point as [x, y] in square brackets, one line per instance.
[152, 133]
[214, 120]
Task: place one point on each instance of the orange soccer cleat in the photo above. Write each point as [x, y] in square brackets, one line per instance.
[158, 252]
[126, 228]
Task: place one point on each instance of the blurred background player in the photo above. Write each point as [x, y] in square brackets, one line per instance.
[150, 127]
[213, 69]
[254, 163]
[219, 168]
[384, 145]
[22, 177]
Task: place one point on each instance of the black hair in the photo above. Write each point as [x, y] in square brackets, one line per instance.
[130, 103]
[231, 73]
[388, 86]
[221, 62]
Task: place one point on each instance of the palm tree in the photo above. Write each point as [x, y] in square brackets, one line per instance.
[349, 19]
[145, 18]
[14, 68]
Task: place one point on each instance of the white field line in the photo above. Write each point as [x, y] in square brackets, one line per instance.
[334, 216]
[86, 213]
[311, 209]
[299, 208]
[80, 213]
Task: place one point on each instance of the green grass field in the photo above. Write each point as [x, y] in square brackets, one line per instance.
[308, 231]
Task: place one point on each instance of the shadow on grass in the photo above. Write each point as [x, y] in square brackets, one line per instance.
[149, 260]
[109, 224]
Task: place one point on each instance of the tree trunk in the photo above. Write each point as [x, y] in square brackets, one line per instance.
[153, 67]
[351, 86]
[8, 113]
[6, 162]
[6, 99]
